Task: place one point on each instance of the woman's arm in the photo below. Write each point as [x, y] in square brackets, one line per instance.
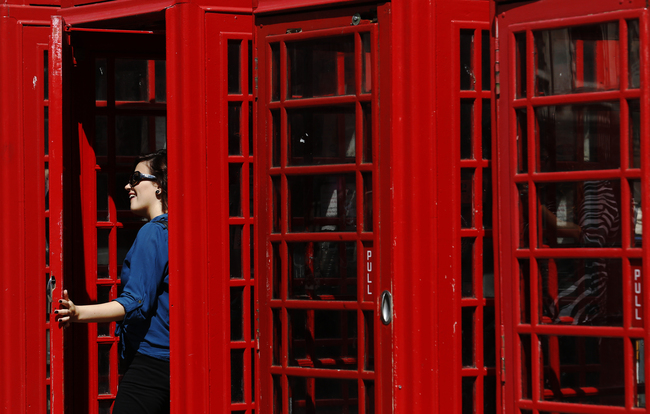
[102, 312]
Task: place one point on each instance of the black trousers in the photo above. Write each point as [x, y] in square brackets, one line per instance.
[144, 389]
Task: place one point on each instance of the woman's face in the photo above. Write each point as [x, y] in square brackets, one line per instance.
[142, 197]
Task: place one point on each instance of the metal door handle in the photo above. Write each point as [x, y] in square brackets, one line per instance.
[51, 285]
[386, 307]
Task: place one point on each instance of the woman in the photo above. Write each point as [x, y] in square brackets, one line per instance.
[142, 310]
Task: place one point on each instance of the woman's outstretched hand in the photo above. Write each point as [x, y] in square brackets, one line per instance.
[68, 313]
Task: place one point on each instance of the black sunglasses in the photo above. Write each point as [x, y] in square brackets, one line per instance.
[137, 176]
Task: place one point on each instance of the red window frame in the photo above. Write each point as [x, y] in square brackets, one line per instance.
[522, 307]
[275, 366]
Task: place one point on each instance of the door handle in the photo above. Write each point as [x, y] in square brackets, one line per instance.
[386, 307]
[51, 285]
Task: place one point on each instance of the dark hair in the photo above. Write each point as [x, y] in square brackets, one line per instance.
[157, 163]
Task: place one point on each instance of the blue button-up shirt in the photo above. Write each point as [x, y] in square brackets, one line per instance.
[145, 297]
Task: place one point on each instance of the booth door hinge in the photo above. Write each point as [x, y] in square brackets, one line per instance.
[503, 354]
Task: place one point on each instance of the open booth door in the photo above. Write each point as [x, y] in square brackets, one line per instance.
[573, 175]
[107, 106]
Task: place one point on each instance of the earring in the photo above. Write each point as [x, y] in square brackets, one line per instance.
[158, 192]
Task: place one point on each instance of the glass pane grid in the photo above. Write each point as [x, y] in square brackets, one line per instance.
[47, 386]
[584, 157]
[243, 310]
[318, 152]
[138, 127]
[479, 352]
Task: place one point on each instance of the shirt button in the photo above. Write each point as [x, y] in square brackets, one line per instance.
[139, 301]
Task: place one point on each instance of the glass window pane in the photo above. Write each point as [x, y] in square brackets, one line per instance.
[321, 67]
[469, 392]
[131, 80]
[100, 79]
[237, 375]
[637, 216]
[323, 339]
[488, 267]
[467, 266]
[234, 128]
[467, 198]
[468, 336]
[103, 296]
[367, 202]
[524, 289]
[487, 198]
[234, 66]
[639, 371]
[593, 366]
[578, 137]
[466, 128]
[161, 133]
[635, 133]
[369, 352]
[250, 131]
[579, 214]
[102, 196]
[520, 72]
[522, 140]
[577, 59]
[485, 60]
[234, 178]
[489, 394]
[275, 71]
[102, 246]
[323, 271]
[633, 49]
[236, 313]
[522, 219]
[322, 203]
[161, 80]
[366, 63]
[131, 135]
[526, 367]
[366, 108]
[104, 368]
[236, 252]
[250, 67]
[467, 79]
[322, 135]
[486, 130]
[101, 135]
[581, 291]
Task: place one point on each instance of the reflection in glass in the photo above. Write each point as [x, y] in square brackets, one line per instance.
[467, 198]
[234, 66]
[639, 371]
[577, 59]
[367, 202]
[321, 67]
[467, 266]
[466, 128]
[581, 291]
[467, 78]
[322, 135]
[583, 370]
[131, 80]
[520, 72]
[578, 137]
[323, 270]
[366, 64]
[633, 49]
[637, 216]
[323, 339]
[635, 133]
[234, 128]
[322, 203]
[102, 246]
[579, 214]
[467, 337]
[161, 132]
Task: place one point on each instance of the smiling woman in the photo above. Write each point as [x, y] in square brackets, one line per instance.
[142, 310]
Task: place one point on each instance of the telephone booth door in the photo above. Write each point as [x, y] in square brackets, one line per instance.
[326, 309]
[112, 106]
[573, 175]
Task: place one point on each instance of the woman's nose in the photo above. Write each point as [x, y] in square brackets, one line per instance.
[127, 187]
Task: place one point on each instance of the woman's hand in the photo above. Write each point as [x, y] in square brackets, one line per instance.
[68, 313]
